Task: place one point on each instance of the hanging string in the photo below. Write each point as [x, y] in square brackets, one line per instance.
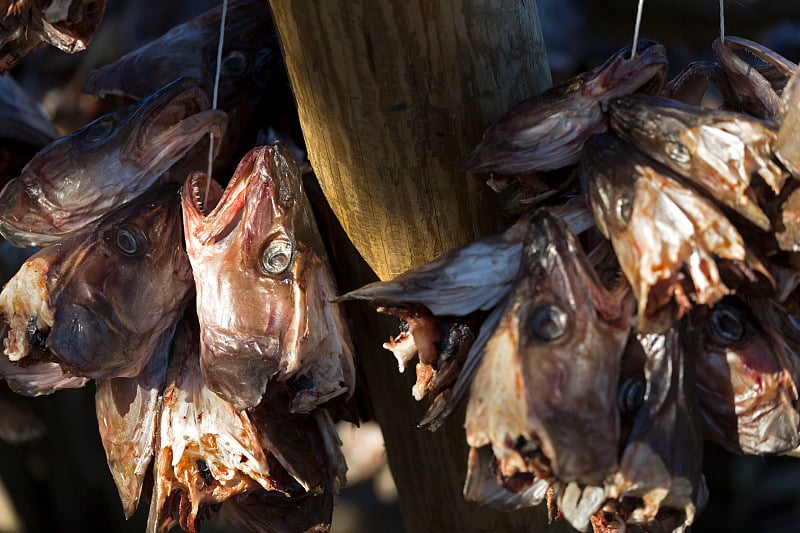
[636, 28]
[722, 21]
[215, 95]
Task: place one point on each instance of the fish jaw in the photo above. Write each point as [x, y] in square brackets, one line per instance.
[504, 411]
[749, 91]
[277, 328]
[168, 124]
[622, 74]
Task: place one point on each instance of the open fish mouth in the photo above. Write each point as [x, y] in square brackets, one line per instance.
[174, 123]
[246, 187]
[649, 74]
[200, 195]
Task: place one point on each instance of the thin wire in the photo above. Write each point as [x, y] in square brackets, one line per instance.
[636, 28]
[722, 21]
[215, 95]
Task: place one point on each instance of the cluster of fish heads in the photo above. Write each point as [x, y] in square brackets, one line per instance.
[202, 313]
[645, 299]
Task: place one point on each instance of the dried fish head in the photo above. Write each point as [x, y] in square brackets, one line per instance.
[253, 87]
[98, 301]
[658, 228]
[80, 177]
[717, 151]
[545, 392]
[746, 391]
[547, 131]
[264, 288]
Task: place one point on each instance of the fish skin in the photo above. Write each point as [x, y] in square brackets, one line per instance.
[547, 131]
[743, 87]
[633, 200]
[26, 25]
[712, 149]
[97, 310]
[207, 451]
[283, 326]
[289, 466]
[558, 394]
[482, 485]
[661, 461]
[747, 394]
[127, 416]
[112, 160]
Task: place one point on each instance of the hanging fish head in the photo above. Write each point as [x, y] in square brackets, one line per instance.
[98, 301]
[667, 237]
[746, 390]
[546, 131]
[545, 394]
[80, 177]
[263, 286]
[718, 151]
[253, 88]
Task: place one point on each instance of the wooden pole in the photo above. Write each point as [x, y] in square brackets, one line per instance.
[391, 95]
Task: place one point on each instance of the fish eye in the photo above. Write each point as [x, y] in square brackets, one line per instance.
[727, 324]
[631, 396]
[277, 257]
[624, 208]
[677, 151]
[98, 130]
[234, 64]
[547, 323]
[130, 240]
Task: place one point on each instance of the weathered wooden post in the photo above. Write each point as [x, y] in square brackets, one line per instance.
[391, 95]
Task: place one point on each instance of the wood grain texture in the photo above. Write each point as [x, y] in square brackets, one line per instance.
[392, 95]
